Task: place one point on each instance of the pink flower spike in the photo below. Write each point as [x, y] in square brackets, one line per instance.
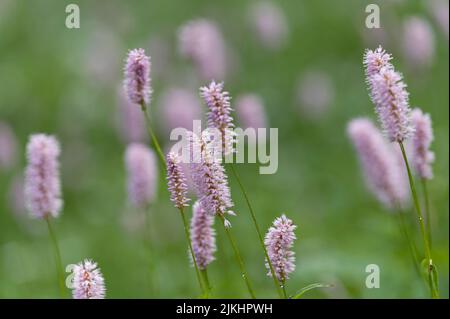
[380, 163]
[88, 282]
[202, 236]
[42, 183]
[176, 181]
[142, 174]
[137, 77]
[422, 157]
[279, 241]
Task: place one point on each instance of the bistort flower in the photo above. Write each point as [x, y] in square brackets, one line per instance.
[88, 282]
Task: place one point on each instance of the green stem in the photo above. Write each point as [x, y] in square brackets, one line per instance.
[433, 288]
[260, 237]
[412, 246]
[194, 261]
[204, 273]
[238, 257]
[58, 262]
[427, 210]
[152, 133]
[285, 296]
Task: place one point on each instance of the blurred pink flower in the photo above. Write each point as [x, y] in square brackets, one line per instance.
[418, 42]
[250, 111]
[439, 10]
[201, 41]
[180, 107]
[269, 24]
[42, 183]
[381, 163]
[315, 93]
[142, 174]
[422, 157]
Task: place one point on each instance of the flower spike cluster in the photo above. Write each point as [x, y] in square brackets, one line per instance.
[42, 183]
[423, 136]
[202, 236]
[279, 241]
[88, 282]
[137, 77]
[389, 95]
[176, 181]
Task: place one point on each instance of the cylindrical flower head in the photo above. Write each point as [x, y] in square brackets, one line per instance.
[250, 111]
[8, 147]
[270, 24]
[379, 162]
[88, 282]
[392, 104]
[202, 42]
[279, 241]
[176, 181]
[202, 236]
[142, 174]
[219, 114]
[375, 60]
[422, 157]
[418, 42]
[210, 180]
[42, 183]
[137, 77]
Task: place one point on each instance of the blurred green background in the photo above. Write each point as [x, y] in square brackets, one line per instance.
[64, 82]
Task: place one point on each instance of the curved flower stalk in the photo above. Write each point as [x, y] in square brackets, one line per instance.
[142, 174]
[279, 241]
[379, 162]
[88, 282]
[389, 95]
[43, 188]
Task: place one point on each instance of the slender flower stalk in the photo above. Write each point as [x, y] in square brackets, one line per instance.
[88, 281]
[279, 241]
[211, 185]
[219, 117]
[138, 89]
[388, 93]
[422, 157]
[178, 192]
[43, 188]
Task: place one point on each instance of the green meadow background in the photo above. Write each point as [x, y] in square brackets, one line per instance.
[64, 82]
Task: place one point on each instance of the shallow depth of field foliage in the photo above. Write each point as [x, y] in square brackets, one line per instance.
[65, 82]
